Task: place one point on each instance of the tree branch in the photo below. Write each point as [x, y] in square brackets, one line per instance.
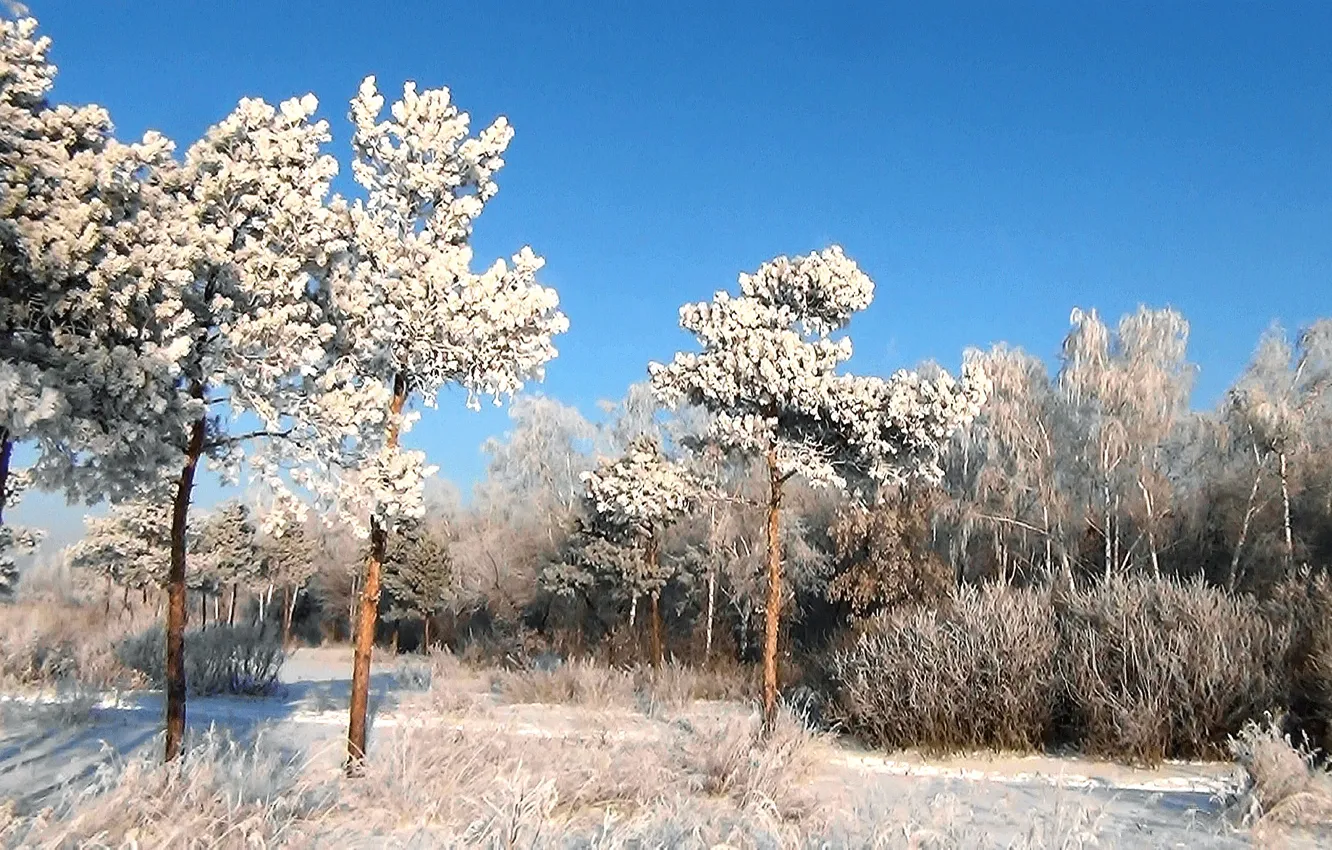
[249, 435]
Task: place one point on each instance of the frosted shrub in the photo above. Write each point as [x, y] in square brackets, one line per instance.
[1155, 668]
[980, 673]
[219, 660]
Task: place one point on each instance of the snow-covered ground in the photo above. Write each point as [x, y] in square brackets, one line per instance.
[48, 742]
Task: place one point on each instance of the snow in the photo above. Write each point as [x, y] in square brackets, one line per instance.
[50, 741]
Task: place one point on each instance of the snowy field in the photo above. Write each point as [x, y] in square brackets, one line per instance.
[50, 745]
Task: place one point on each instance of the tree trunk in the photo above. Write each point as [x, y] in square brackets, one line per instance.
[217, 608]
[658, 646]
[1151, 524]
[288, 608]
[425, 640]
[772, 611]
[1109, 553]
[712, 602]
[633, 611]
[6, 454]
[109, 588]
[203, 608]
[176, 615]
[1285, 506]
[231, 612]
[369, 608]
[394, 650]
[1249, 511]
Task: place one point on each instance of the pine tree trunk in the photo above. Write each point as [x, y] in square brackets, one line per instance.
[394, 650]
[6, 455]
[217, 608]
[109, 588]
[633, 611]
[369, 608]
[203, 608]
[231, 612]
[176, 616]
[1285, 506]
[425, 640]
[260, 618]
[772, 611]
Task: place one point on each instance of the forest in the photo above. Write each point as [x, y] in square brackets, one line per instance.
[1025, 556]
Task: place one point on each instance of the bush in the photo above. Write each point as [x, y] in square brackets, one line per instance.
[1304, 603]
[218, 660]
[49, 642]
[1284, 785]
[979, 673]
[1135, 668]
[1155, 668]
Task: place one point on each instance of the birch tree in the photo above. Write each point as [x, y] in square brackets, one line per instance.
[417, 318]
[767, 372]
[637, 496]
[1271, 408]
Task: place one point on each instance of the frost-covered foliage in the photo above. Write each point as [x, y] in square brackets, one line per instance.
[81, 369]
[418, 572]
[413, 315]
[131, 545]
[222, 660]
[227, 549]
[767, 372]
[641, 491]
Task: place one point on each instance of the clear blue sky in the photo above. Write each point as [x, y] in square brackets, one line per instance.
[991, 165]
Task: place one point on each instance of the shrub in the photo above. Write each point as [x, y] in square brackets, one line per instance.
[979, 673]
[218, 660]
[1156, 668]
[48, 642]
[1304, 603]
[1283, 783]
[1133, 668]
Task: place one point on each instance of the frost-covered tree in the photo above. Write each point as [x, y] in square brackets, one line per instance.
[289, 554]
[1007, 472]
[416, 318]
[228, 552]
[418, 574]
[635, 497]
[1273, 408]
[767, 373]
[81, 365]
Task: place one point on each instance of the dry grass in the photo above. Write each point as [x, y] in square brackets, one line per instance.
[49, 642]
[1285, 785]
[427, 788]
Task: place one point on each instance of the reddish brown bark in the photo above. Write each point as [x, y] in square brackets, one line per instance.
[176, 613]
[368, 613]
[772, 609]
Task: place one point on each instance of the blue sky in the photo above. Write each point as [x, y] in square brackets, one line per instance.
[990, 165]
